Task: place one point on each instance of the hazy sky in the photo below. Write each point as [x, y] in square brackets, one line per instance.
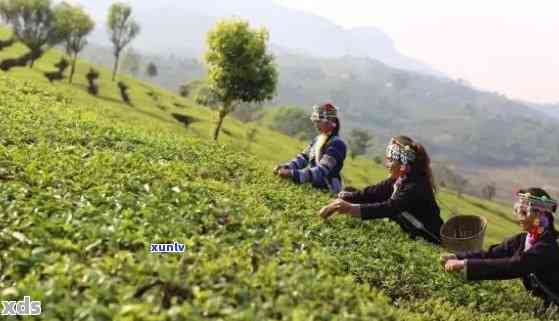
[509, 46]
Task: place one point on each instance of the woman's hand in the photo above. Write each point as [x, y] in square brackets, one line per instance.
[341, 207]
[278, 169]
[454, 265]
[446, 257]
[284, 173]
[327, 211]
[343, 195]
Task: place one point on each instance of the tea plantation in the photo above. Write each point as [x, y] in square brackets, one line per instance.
[87, 183]
[155, 110]
[81, 202]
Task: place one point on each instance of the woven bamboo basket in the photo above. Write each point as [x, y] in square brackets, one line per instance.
[464, 233]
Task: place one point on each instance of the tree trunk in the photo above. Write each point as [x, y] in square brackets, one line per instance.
[115, 67]
[34, 55]
[73, 70]
[221, 116]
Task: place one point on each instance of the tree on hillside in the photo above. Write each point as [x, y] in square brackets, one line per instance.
[359, 141]
[33, 24]
[151, 70]
[132, 62]
[123, 28]
[93, 86]
[239, 67]
[447, 178]
[248, 112]
[190, 88]
[206, 97]
[292, 121]
[73, 25]
[489, 191]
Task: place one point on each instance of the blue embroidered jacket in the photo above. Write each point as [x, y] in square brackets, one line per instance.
[325, 174]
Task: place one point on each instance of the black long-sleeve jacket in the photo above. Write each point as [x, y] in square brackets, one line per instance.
[508, 260]
[414, 196]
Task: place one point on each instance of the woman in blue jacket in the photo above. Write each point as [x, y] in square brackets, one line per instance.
[321, 162]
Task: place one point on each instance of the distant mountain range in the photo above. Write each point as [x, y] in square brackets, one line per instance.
[179, 27]
[551, 110]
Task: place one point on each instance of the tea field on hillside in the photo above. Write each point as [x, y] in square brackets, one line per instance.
[81, 201]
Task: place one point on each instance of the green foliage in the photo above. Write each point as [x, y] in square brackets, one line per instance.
[189, 88]
[488, 191]
[292, 121]
[239, 67]
[132, 61]
[206, 97]
[59, 74]
[151, 70]
[203, 95]
[88, 259]
[32, 23]
[123, 29]
[61, 65]
[72, 25]
[92, 76]
[181, 116]
[80, 203]
[248, 112]
[124, 91]
[359, 141]
[446, 177]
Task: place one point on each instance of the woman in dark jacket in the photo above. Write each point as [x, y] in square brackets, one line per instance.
[532, 255]
[321, 163]
[406, 197]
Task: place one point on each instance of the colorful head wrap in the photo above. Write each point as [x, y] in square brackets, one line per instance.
[324, 112]
[528, 204]
[535, 207]
[398, 152]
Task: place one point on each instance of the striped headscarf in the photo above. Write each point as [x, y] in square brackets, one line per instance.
[325, 111]
[398, 152]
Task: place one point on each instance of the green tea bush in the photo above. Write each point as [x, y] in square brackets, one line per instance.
[80, 205]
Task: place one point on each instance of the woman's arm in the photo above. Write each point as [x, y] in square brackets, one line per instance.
[301, 160]
[372, 194]
[335, 154]
[395, 204]
[505, 249]
[509, 267]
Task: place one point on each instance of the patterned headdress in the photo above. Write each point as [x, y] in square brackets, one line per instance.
[534, 207]
[324, 112]
[398, 152]
[531, 204]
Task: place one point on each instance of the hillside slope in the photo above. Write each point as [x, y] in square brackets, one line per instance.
[460, 124]
[158, 111]
[81, 201]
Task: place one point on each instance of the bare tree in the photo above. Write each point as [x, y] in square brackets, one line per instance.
[123, 28]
